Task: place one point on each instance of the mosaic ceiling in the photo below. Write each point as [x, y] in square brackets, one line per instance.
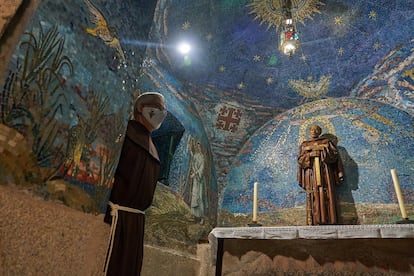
[236, 45]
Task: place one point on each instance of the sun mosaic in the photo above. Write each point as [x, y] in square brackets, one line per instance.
[271, 11]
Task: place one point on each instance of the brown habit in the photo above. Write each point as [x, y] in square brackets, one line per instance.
[320, 198]
[134, 186]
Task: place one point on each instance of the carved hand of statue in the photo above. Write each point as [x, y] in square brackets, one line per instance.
[304, 161]
[315, 153]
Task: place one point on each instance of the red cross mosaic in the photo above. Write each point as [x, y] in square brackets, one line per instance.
[228, 119]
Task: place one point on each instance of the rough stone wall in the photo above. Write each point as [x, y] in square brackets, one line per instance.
[16, 156]
[8, 9]
[47, 238]
[14, 15]
[318, 257]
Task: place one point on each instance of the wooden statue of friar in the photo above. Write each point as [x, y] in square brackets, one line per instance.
[319, 171]
[133, 188]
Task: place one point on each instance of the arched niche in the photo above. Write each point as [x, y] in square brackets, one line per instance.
[373, 138]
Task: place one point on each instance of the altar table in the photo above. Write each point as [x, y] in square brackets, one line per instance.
[387, 231]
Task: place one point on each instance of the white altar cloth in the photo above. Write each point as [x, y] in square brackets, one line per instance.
[383, 231]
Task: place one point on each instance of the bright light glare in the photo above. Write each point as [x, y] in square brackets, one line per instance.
[289, 48]
[184, 48]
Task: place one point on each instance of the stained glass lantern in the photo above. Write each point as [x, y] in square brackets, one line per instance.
[289, 38]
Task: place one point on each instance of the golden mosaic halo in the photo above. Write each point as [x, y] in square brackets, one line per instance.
[271, 12]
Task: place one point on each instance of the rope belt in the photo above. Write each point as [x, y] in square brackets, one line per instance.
[114, 214]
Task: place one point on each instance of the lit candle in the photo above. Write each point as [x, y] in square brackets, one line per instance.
[255, 202]
[399, 194]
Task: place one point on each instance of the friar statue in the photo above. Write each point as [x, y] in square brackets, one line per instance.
[319, 171]
[133, 187]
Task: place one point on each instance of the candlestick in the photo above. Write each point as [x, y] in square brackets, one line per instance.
[255, 202]
[399, 194]
[254, 219]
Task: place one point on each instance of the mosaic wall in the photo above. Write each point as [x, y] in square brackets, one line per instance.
[68, 94]
[372, 139]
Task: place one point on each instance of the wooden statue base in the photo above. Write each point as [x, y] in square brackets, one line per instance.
[254, 224]
[405, 221]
